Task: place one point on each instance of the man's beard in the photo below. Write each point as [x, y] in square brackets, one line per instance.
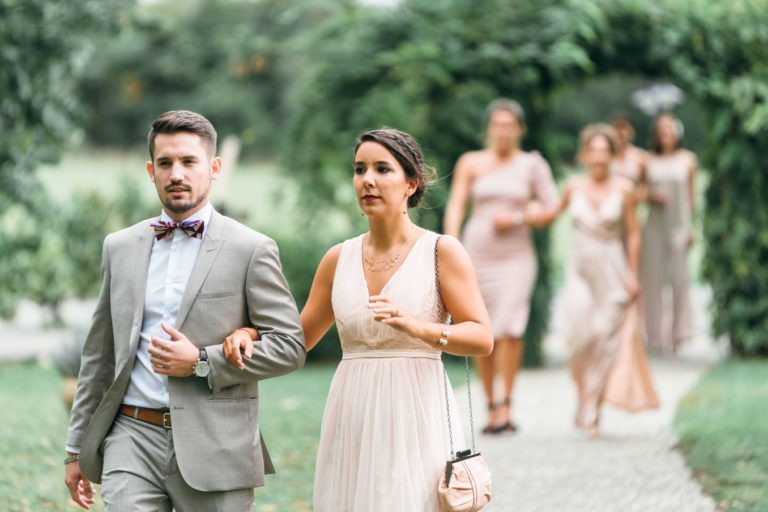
[184, 207]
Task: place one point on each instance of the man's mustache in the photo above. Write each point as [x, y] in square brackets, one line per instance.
[178, 187]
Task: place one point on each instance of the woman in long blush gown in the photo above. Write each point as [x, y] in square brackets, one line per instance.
[601, 282]
[384, 439]
[499, 183]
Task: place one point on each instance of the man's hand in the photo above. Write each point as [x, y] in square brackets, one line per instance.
[80, 488]
[174, 358]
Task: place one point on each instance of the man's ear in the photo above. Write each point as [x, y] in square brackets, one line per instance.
[151, 171]
[216, 168]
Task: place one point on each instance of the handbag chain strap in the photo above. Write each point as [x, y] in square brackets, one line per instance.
[442, 314]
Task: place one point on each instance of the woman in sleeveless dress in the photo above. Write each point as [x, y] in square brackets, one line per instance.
[384, 438]
[601, 283]
[630, 161]
[499, 183]
[667, 236]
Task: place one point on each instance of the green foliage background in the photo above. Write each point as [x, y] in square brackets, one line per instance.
[45, 46]
[432, 66]
[301, 79]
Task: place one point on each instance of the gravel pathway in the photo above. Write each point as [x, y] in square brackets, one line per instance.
[549, 466]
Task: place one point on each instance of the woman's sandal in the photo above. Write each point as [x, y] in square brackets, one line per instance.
[489, 429]
[506, 427]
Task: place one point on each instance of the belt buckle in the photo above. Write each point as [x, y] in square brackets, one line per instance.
[167, 420]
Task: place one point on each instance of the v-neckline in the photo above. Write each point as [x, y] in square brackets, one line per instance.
[397, 270]
[597, 212]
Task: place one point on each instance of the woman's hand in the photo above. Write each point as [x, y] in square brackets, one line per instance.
[632, 286]
[239, 344]
[504, 221]
[658, 196]
[387, 312]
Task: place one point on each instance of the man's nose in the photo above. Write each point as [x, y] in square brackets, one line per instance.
[177, 172]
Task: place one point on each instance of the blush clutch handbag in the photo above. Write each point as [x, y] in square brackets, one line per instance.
[465, 485]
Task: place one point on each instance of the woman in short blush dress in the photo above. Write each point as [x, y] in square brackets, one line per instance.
[499, 183]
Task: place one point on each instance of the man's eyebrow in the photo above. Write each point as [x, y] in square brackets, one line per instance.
[183, 157]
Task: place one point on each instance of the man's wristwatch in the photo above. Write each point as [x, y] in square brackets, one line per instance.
[202, 368]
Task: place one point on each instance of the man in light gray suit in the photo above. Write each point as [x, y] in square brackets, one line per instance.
[160, 418]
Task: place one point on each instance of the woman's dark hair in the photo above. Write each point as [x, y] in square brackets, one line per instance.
[408, 153]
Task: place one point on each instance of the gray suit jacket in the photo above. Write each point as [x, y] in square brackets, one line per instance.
[236, 281]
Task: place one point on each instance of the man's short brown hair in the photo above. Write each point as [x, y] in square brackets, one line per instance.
[176, 121]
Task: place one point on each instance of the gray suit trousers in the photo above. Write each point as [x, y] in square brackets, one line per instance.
[141, 475]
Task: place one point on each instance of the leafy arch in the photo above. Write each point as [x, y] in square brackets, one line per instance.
[430, 67]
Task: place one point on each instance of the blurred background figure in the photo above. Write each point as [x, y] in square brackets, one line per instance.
[630, 161]
[499, 182]
[667, 236]
[601, 284]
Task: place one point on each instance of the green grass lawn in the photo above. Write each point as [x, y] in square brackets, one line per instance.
[33, 433]
[723, 429]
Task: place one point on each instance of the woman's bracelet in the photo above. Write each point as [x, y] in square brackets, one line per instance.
[444, 335]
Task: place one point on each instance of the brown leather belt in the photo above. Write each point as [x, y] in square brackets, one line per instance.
[153, 416]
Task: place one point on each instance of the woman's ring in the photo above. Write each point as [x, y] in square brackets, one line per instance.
[397, 312]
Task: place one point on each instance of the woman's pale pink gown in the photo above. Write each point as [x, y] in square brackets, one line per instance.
[506, 262]
[664, 259]
[606, 356]
[384, 438]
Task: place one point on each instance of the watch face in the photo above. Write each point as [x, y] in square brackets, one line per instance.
[202, 369]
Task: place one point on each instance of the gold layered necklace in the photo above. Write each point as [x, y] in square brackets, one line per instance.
[385, 264]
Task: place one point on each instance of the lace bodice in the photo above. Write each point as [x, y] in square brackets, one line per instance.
[411, 287]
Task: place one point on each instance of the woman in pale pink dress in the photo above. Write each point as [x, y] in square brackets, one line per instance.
[499, 183]
[601, 286]
[384, 438]
[667, 237]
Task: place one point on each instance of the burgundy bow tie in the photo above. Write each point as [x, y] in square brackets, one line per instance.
[193, 228]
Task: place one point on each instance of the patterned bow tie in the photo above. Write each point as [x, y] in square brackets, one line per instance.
[193, 228]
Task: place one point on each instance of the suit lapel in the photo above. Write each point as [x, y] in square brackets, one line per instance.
[209, 250]
[141, 253]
